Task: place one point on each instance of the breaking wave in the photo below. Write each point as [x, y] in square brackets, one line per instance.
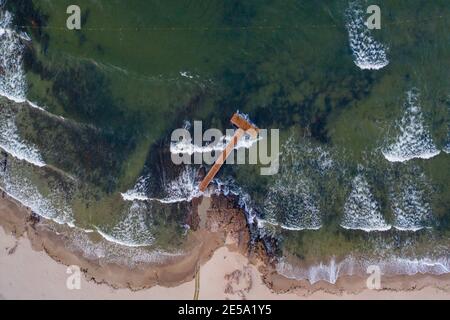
[13, 83]
[12, 77]
[331, 271]
[138, 192]
[186, 146]
[291, 204]
[328, 272]
[111, 252]
[11, 142]
[134, 229]
[51, 206]
[414, 140]
[293, 200]
[361, 210]
[367, 52]
[182, 188]
[411, 211]
[447, 148]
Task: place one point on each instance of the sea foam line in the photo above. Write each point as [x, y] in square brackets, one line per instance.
[411, 211]
[11, 142]
[291, 204]
[110, 251]
[350, 266]
[263, 222]
[25, 193]
[13, 85]
[118, 241]
[12, 80]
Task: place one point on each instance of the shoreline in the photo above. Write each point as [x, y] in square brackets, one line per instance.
[162, 268]
[218, 246]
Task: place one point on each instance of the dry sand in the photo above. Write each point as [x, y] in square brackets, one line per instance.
[28, 274]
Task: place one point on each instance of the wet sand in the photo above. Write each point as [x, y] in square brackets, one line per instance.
[30, 273]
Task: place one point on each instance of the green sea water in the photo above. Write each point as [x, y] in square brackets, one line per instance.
[137, 70]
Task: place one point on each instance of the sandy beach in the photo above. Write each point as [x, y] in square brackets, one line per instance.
[30, 273]
[232, 150]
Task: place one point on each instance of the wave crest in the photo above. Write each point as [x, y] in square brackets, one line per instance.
[133, 230]
[12, 143]
[12, 77]
[414, 140]
[361, 210]
[367, 52]
[350, 266]
[411, 210]
[16, 180]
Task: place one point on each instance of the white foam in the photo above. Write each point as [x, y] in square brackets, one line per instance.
[328, 272]
[112, 252]
[361, 210]
[182, 188]
[188, 147]
[133, 230]
[34, 105]
[411, 211]
[292, 201]
[51, 206]
[13, 84]
[414, 139]
[291, 204]
[12, 143]
[367, 52]
[12, 76]
[186, 74]
[447, 148]
[138, 192]
[304, 154]
[349, 266]
[291, 227]
[245, 202]
[412, 266]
